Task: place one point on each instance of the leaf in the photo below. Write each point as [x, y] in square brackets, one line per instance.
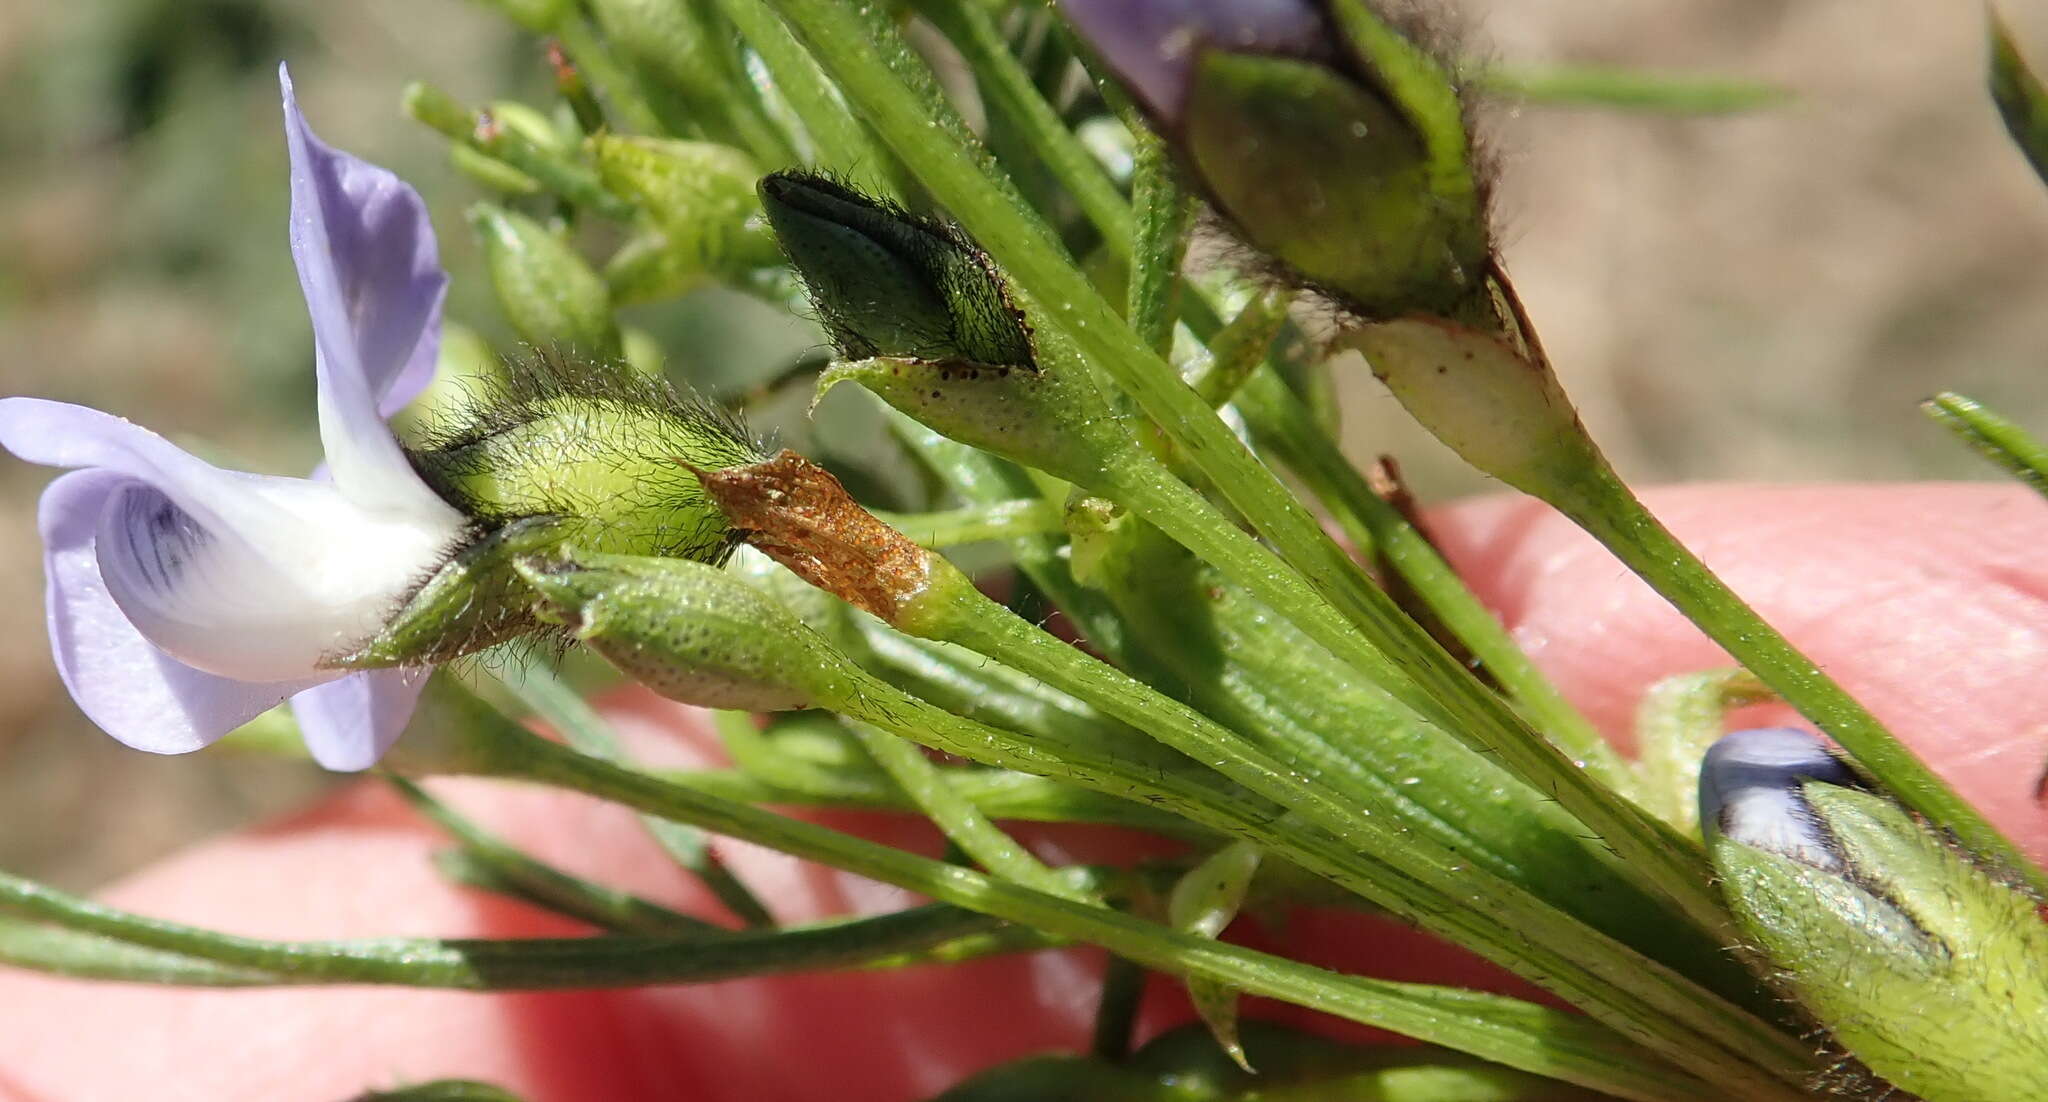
[2022, 101]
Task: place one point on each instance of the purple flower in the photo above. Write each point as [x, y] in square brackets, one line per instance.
[1152, 44]
[183, 599]
[1750, 791]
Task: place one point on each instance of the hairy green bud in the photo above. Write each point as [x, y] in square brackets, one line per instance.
[888, 283]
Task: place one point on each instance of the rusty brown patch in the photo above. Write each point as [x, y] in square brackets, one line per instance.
[799, 514]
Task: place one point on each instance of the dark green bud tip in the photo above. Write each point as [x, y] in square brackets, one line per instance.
[886, 282]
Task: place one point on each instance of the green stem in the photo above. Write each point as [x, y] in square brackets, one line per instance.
[931, 791]
[1997, 439]
[1010, 89]
[1003, 520]
[501, 965]
[483, 861]
[838, 137]
[1238, 349]
[1161, 243]
[997, 793]
[1280, 424]
[1508, 1031]
[575, 182]
[1364, 849]
[1424, 677]
[537, 687]
[1604, 86]
[1603, 505]
[596, 63]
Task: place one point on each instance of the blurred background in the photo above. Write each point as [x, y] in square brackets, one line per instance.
[1761, 297]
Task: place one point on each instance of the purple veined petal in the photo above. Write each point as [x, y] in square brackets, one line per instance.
[121, 681]
[349, 723]
[1151, 44]
[373, 284]
[251, 577]
[1750, 792]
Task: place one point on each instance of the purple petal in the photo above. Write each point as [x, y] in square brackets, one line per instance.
[1151, 45]
[348, 724]
[121, 681]
[374, 285]
[58, 434]
[1750, 792]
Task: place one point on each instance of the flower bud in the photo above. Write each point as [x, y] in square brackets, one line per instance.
[487, 170]
[698, 196]
[1932, 973]
[888, 283]
[1329, 140]
[550, 295]
[595, 456]
[688, 631]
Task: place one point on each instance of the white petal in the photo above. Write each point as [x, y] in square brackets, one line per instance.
[320, 577]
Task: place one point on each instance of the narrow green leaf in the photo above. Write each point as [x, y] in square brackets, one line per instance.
[1994, 437]
[2022, 101]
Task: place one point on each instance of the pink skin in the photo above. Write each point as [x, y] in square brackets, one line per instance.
[1927, 601]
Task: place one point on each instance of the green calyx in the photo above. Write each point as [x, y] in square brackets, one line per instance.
[1335, 181]
[888, 283]
[1932, 973]
[608, 454]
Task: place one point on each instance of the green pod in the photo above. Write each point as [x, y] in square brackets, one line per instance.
[1930, 972]
[607, 453]
[549, 293]
[888, 283]
[689, 631]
